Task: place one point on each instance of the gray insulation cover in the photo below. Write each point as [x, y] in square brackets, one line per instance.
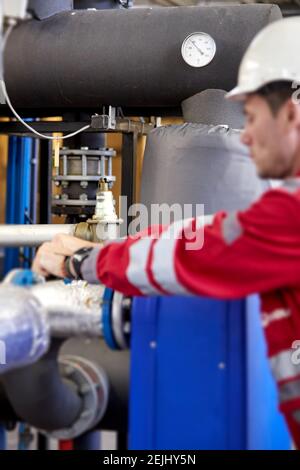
[211, 107]
[127, 58]
[43, 9]
[98, 4]
[196, 163]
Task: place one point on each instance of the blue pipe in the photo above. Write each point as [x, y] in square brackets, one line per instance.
[25, 437]
[2, 438]
[19, 195]
[88, 441]
[25, 190]
[11, 255]
[18, 207]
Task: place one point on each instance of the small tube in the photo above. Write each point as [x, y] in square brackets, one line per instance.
[103, 170]
[109, 172]
[84, 165]
[65, 165]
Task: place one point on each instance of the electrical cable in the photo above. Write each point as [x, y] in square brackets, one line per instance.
[9, 103]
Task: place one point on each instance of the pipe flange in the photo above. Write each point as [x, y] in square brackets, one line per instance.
[92, 386]
[107, 318]
[121, 308]
[116, 319]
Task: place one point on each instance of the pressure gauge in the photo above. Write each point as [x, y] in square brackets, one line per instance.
[198, 49]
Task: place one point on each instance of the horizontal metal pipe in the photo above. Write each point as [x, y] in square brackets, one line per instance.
[76, 59]
[32, 235]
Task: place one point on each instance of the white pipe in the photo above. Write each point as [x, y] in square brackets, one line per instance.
[32, 235]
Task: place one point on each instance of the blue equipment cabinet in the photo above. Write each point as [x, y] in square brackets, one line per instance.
[200, 378]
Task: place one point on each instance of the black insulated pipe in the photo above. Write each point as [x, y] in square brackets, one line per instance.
[40, 397]
[129, 58]
[46, 405]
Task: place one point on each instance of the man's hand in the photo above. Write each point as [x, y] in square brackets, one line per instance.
[50, 257]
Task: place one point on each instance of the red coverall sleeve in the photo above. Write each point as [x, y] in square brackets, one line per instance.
[256, 250]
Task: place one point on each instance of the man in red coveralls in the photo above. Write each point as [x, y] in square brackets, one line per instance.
[257, 250]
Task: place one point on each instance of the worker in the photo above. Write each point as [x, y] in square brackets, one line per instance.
[251, 251]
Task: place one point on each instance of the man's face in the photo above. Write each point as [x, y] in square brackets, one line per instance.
[273, 140]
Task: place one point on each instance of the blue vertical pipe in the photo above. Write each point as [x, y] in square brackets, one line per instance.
[11, 255]
[25, 437]
[25, 190]
[89, 441]
[18, 200]
[2, 438]
[18, 205]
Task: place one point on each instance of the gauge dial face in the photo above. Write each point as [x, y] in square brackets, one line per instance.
[198, 49]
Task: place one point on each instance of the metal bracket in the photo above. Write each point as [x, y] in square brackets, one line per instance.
[105, 121]
[113, 121]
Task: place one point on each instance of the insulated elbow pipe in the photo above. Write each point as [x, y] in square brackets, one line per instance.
[63, 397]
[24, 328]
[34, 403]
[44, 66]
[40, 397]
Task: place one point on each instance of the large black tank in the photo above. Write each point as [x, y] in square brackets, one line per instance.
[129, 58]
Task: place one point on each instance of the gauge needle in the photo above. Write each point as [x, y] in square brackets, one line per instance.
[198, 49]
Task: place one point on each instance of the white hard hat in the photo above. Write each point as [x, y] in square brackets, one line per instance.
[273, 55]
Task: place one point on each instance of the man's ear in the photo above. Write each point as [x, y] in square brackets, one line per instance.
[292, 112]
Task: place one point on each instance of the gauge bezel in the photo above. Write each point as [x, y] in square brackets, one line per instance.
[186, 60]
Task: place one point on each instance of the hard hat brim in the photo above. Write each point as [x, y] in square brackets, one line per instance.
[240, 93]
